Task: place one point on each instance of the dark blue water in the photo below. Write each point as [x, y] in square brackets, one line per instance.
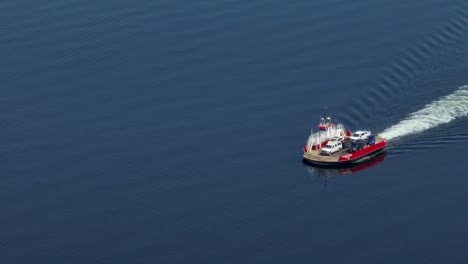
[171, 131]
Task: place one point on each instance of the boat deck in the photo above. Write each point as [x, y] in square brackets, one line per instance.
[314, 155]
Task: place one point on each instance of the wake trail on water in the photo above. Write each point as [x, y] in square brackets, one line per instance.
[441, 111]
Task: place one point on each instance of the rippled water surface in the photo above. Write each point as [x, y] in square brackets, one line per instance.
[171, 131]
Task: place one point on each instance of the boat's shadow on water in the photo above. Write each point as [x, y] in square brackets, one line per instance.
[323, 173]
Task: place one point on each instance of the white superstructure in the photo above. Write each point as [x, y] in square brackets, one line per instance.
[326, 131]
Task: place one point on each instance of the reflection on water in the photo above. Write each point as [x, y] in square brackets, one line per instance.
[323, 173]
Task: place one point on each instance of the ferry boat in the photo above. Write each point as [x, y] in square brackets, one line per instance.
[332, 144]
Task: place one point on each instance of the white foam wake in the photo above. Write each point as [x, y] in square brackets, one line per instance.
[436, 113]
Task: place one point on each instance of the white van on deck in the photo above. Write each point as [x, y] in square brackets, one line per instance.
[331, 148]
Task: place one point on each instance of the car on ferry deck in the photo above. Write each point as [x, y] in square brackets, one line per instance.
[357, 145]
[360, 135]
[330, 148]
[337, 139]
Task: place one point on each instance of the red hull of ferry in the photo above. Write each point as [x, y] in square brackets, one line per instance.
[363, 152]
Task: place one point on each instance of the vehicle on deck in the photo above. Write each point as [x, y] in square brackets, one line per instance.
[337, 139]
[360, 135]
[371, 140]
[330, 148]
[357, 145]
